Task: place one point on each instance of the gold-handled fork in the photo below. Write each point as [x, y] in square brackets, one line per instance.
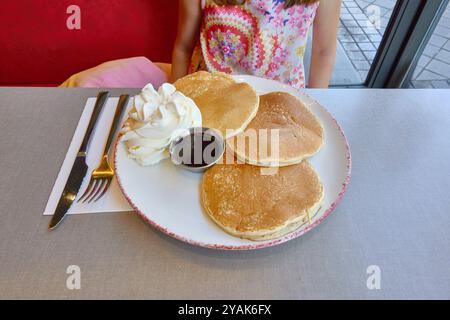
[102, 176]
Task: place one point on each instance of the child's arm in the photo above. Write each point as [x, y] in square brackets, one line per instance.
[324, 43]
[189, 19]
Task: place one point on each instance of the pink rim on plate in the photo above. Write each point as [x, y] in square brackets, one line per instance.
[257, 245]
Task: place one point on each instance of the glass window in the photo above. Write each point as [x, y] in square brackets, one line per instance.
[363, 23]
[433, 68]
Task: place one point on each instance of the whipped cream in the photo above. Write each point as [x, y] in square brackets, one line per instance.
[156, 119]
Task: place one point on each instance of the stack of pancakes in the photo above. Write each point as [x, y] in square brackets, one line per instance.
[243, 197]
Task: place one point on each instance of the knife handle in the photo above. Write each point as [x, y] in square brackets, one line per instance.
[117, 121]
[99, 104]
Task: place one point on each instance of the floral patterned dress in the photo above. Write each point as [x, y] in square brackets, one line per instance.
[258, 38]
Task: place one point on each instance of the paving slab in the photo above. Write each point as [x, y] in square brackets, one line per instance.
[359, 40]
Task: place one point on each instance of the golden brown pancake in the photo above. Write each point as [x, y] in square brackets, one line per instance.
[300, 132]
[224, 103]
[250, 205]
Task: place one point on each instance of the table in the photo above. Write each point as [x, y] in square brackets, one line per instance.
[395, 215]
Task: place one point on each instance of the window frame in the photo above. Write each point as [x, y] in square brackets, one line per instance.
[410, 27]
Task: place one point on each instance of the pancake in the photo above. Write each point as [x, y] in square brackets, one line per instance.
[224, 103]
[300, 132]
[250, 205]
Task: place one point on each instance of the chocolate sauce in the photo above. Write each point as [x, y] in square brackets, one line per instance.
[197, 150]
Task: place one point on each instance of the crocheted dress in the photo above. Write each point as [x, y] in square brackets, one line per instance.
[259, 37]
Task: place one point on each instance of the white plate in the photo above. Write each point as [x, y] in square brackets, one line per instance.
[168, 197]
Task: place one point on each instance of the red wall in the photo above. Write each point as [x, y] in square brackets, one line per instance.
[37, 48]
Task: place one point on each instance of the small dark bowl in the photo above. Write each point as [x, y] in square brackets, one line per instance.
[209, 136]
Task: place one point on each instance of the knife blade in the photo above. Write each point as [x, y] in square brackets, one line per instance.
[79, 168]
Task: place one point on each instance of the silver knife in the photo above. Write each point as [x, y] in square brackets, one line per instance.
[79, 169]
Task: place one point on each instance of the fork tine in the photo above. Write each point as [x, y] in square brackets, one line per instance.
[92, 191]
[88, 190]
[107, 185]
[101, 185]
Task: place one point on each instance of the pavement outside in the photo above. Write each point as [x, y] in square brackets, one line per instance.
[360, 34]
